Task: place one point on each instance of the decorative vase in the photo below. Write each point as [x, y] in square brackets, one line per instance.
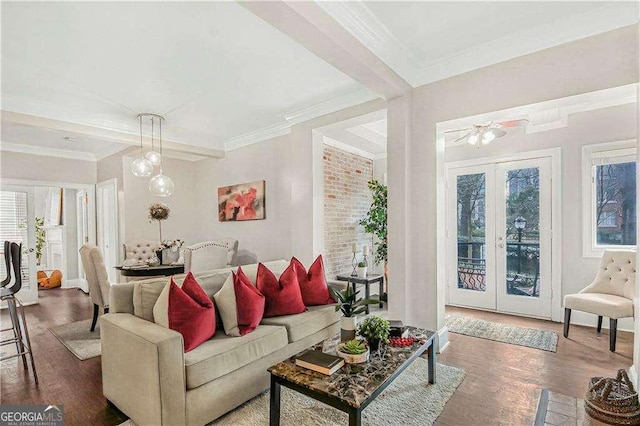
[347, 328]
[170, 256]
[374, 344]
[362, 272]
[351, 358]
[154, 261]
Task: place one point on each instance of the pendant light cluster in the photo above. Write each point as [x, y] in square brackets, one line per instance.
[160, 185]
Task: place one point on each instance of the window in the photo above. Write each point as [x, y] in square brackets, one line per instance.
[609, 192]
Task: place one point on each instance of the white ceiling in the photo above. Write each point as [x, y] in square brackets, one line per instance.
[214, 70]
[425, 41]
[365, 135]
[224, 78]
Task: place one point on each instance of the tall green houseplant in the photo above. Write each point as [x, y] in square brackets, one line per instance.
[376, 221]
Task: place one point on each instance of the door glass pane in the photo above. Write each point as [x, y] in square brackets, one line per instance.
[616, 204]
[13, 227]
[471, 232]
[523, 232]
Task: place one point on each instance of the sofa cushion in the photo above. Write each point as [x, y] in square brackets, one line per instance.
[302, 325]
[282, 296]
[226, 304]
[249, 303]
[313, 284]
[145, 293]
[187, 310]
[223, 354]
[607, 305]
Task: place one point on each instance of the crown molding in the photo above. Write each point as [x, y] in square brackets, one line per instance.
[291, 118]
[47, 152]
[358, 19]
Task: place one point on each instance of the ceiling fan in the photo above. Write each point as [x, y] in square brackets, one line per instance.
[482, 134]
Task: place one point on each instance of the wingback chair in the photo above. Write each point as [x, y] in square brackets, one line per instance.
[210, 255]
[610, 294]
[97, 278]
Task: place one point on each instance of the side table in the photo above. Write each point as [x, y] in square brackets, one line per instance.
[368, 280]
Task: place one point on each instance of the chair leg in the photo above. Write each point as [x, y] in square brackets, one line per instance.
[106, 310]
[599, 323]
[96, 310]
[567, 320]
[613, 330]
[28, 341]
[17, 331]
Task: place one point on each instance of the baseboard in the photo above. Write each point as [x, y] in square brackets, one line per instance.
[590, 320]
[71, 283]
[633, 375]
[443, 339]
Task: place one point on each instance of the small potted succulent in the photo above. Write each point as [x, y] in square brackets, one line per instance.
[350, 305]
[374, 328]
[353, 351]
[362, 269]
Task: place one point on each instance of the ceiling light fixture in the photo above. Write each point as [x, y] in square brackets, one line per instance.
[161, 185]
[153, 156]
[141, 167]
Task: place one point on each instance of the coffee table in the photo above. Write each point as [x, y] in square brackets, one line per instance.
[352, 388]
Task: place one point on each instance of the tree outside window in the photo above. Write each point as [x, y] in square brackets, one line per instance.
[615, 187]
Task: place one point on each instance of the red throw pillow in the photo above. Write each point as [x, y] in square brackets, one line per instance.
[282, 297]
[313, 284]
[187, 310]
[249, 303]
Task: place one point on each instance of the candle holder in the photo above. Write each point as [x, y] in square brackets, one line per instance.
[365, 260]
[354, 263]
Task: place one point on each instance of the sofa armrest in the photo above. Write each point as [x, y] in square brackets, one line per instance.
[338, 285]
[143, 369]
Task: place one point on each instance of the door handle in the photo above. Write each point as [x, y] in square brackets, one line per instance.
[31, 250]
[500, 245]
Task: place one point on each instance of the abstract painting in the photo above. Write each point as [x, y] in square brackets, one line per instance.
[241, 202]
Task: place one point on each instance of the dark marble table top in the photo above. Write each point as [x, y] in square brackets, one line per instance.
[354, 383]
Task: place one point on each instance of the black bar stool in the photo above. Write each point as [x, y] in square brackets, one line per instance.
[7, 263]
[16, 312]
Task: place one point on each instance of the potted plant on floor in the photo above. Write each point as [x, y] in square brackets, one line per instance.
[375, 329]
[353, 351]
[351, 306]
[376, 223]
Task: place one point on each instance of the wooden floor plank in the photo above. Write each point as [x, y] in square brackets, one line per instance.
[501, 386]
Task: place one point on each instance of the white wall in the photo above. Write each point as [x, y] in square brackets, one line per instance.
[16, 165]
[604, 125]
[595, 63]
[380, 170]
[71, 233]
[184, 217]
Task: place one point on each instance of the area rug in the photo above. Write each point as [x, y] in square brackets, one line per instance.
[505, 333]
[409, 400]
[558, 409]
[76, 336]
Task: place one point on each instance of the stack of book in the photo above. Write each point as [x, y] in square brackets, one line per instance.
[397, 329]
[320, 362]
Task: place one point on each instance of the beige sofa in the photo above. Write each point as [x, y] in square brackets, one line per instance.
[146, 374]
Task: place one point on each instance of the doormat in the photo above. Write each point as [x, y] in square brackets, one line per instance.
[505, 333]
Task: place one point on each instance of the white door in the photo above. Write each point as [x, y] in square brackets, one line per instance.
[82, 224]
[18, 224]
[107, 209]
[499, 235]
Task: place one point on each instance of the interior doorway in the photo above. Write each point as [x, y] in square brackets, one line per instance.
[499, 245]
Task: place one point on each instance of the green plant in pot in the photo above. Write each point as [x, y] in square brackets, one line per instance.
[376, 223]
[353, 351]
[374, 328]
[350, 305]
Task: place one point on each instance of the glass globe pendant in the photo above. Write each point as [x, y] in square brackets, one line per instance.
[153, 157]
[141, 167]
[161, 185]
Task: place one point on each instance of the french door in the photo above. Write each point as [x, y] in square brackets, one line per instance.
[499, 236]
[18, 224]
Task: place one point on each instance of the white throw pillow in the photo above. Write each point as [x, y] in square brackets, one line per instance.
[225, 300]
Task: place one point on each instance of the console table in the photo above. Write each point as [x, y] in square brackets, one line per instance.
[367, 281]
[150, 271]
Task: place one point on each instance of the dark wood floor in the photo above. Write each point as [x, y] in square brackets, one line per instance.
[501, 385]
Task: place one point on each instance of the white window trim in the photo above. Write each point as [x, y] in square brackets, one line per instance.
[592, 155]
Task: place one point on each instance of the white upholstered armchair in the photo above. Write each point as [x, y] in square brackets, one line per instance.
[97, 279]
[210, 255]
[610, 294]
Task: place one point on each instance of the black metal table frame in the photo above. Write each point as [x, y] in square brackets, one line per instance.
[151, 271]
[366, 282]
[355, 413]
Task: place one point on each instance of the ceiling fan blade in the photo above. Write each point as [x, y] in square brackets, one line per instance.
[513, 123]
[459, 130]
[463, 137]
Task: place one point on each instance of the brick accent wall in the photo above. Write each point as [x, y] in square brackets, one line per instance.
[346, 201]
